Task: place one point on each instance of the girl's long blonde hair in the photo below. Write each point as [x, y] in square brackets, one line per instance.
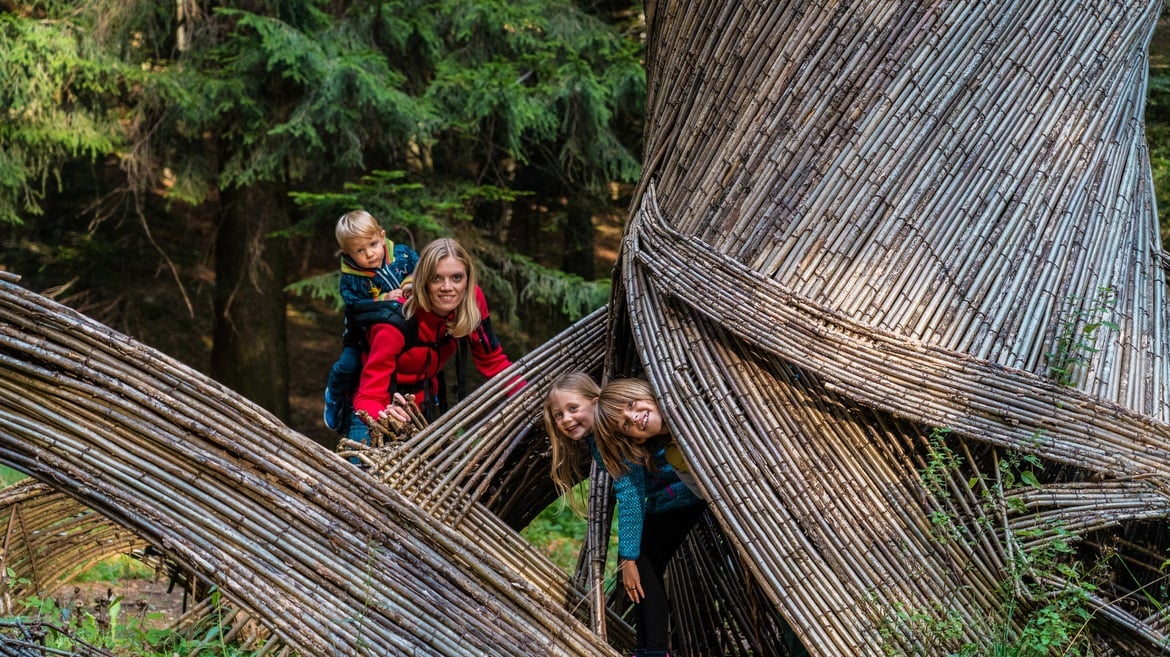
[570, 458]
[467, 316]
[617, 449]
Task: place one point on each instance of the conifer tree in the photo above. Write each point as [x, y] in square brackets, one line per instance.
[238, 107]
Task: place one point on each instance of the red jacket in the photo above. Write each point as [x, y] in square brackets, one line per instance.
[386, 361]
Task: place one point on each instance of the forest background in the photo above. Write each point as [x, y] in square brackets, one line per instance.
[174, 170]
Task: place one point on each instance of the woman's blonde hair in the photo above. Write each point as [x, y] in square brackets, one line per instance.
[617, 449]
[467, 316]
[357, 223]
[570, 458]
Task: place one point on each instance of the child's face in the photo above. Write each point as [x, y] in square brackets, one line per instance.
[367, 251]
[641, 420]
[572, 414]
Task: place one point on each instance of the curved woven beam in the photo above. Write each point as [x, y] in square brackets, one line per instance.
[328, 558]
[50, 538]
[862, 223]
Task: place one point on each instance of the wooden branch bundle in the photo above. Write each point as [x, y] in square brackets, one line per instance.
[325, 556]
[858, 223]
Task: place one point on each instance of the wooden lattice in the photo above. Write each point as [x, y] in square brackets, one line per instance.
[863, 235]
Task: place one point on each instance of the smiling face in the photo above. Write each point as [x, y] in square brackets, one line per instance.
[447, 286]
[641, 420]
[366, 251]
[572, 413]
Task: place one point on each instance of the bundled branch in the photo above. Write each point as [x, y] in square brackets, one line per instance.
[273, 520]
[387, 434]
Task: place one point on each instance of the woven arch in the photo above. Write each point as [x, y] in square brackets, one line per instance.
[860, 231]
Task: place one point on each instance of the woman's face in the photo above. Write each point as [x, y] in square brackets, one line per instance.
[448, 286]
[641, 420]
[571, 413]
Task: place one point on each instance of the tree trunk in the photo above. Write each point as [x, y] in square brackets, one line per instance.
[250, 348]
[578, 258]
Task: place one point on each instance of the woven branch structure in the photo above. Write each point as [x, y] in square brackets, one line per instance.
[894, 272]
[875, 236]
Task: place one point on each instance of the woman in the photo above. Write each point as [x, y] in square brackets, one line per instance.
[656, 509]
[568, 420]
[407, 353]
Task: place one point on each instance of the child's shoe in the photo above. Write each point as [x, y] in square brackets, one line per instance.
[332, 411]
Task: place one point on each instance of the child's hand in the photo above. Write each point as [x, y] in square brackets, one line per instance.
[632, 580]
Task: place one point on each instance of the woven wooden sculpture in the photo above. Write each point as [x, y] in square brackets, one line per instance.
[893, 270]
[877, 241]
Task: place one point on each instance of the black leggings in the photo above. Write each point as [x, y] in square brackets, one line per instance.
[662, 533]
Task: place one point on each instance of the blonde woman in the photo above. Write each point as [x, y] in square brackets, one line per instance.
[409, 349]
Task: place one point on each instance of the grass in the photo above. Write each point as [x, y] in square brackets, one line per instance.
[559, 534]
[9, 476]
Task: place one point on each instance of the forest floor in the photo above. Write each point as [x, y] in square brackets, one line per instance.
[153, 602]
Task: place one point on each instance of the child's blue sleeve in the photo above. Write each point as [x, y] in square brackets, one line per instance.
[630, 490]
[354, 289]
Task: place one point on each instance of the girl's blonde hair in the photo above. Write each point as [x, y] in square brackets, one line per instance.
[570, 458]
[357, 223]
[467, 316]
[617, 449]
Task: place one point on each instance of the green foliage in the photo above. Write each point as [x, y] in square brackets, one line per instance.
[64, 107]
[282, 93]
[572, 295]
[1044, 602]
[9, 476]
[941, 463]
[417, 211]
[439, 117]
[73, 626]
[932, 630]
[529, 74]
[323, 286]
[116, 568]
[1076, 341]
[420, 213]
[76, 627]
[558, 532]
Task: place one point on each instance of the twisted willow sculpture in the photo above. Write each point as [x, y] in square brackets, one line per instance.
[894, 271]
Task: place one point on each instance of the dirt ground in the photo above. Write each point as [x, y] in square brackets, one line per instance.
[153, 602]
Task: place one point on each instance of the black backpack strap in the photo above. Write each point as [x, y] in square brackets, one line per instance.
[359, 318]
[462, 355]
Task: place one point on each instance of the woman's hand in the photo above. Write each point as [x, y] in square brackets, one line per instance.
[632, 581]
[395, 410]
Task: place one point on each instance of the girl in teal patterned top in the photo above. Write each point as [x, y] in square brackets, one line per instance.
[656, 509]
